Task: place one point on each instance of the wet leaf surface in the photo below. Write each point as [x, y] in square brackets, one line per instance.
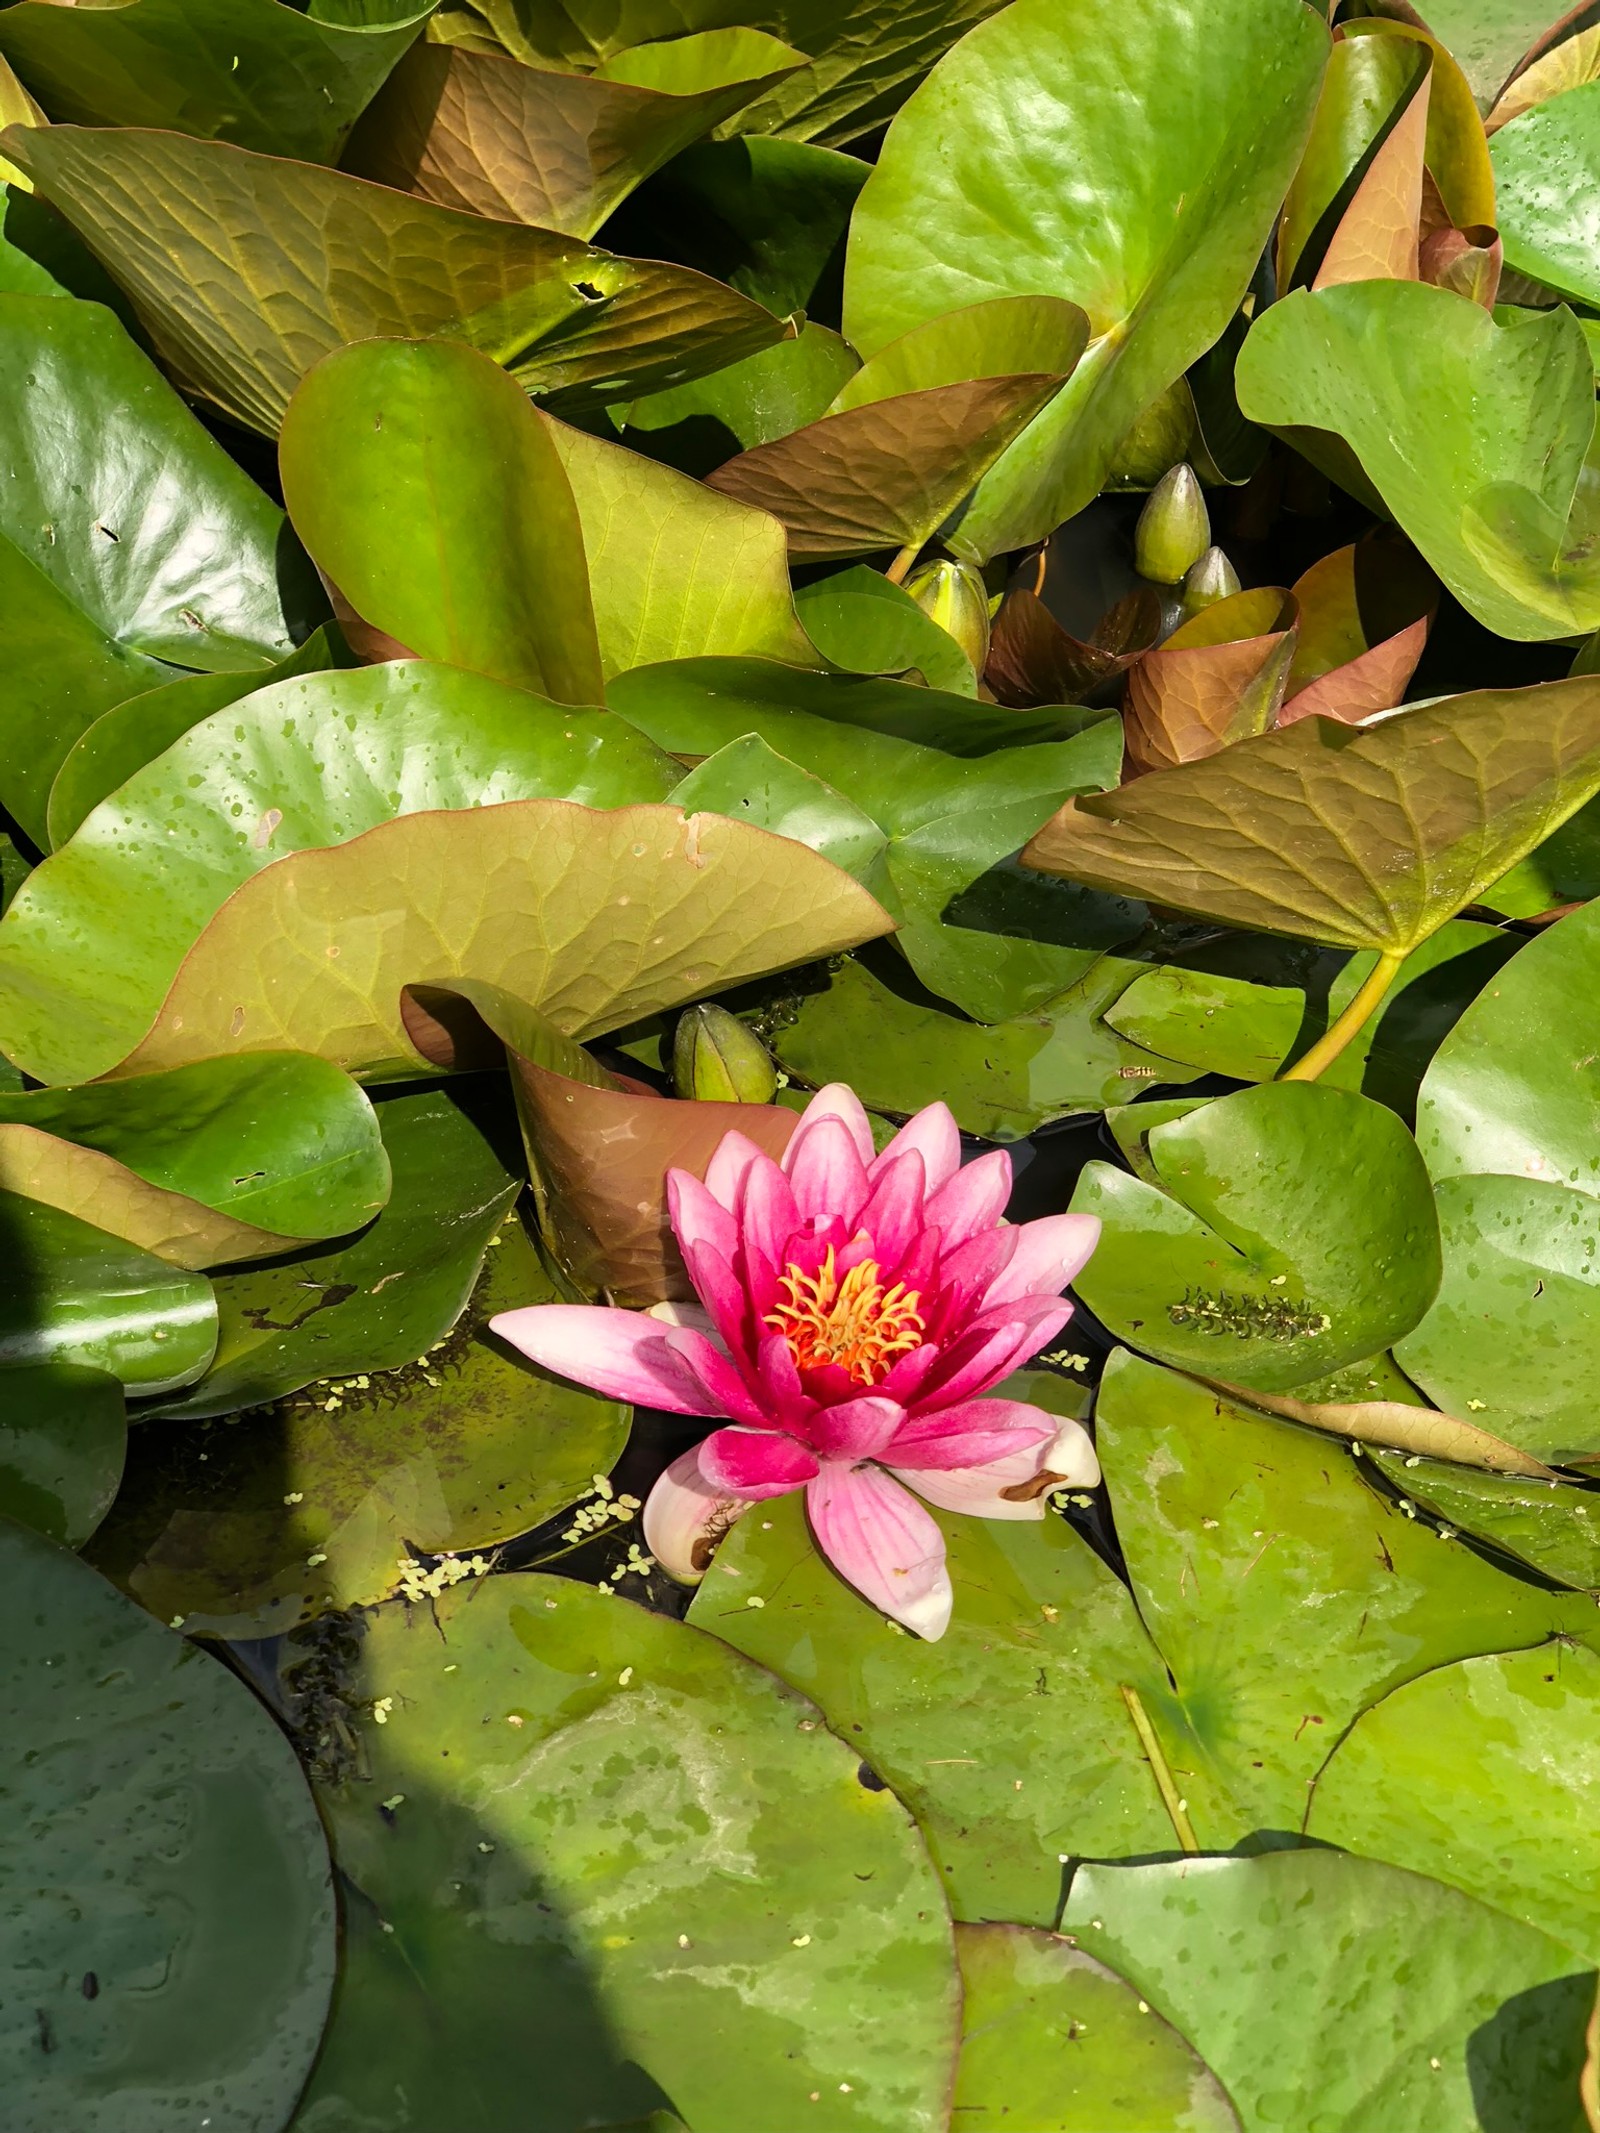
[63, 1438]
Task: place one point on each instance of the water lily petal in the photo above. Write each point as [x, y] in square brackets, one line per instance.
[883, 1541]
[722, 1379]
[839, 1102]
[1013, 1487]
[973, 1200]
[826, 1172]
[935, 1136]
[685, 1518]
[755, 1463]
[1049, 1253]
[857, 1429]
[768, 1216]
[735, 1155]
[721, 1291]
[624, 1354]
[892, 1215]
[698, 1216]
[971, 1433]
[693, 1315]
[990, 1349]
[910, 1372]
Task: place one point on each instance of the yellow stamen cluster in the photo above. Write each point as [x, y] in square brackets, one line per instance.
[852, 1321]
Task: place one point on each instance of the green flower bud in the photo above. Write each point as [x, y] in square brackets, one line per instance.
[716, 1059]
[1212, 579]
[1174, 529]
[954, 595]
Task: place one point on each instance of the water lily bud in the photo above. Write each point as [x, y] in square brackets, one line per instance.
[1212, 579]
[716, 1059]
[1174, 529]
[954, 595]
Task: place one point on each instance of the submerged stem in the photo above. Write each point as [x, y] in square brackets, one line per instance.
[1354, 1019]
[1177, 1810]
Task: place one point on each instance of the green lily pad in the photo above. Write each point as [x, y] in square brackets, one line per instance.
[1514, 1335]
[1184, 127]
[71, 1293]
[63, 1438]
[320, 1503]
[1549, 1525]
[251, 71]
[204, 237]
[695, 427]
[1474, 433]
[128, 538]
[1249, 1006]
[301, 765]
[1521, 1835]
[1564, 869]
[1285, 1595]
[169, 1936]
[1292, 1231]
[1053, 2040]
[859, 621]
[900, 1048]
[1546, 165]
[607, 1840]
[1357, 837]
[224, 1159]
[750, 782]
[1005, 337]
[1433, 2012]
[1022, 1686]
[1487, 37]
[428, 490]
[383, 1300]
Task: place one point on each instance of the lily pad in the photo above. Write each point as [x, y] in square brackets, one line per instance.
[1358, 837]
[698, 426]
[567, 1949]
[1481, 2024]
[859, 621]
[1551, 1526]
[1365, 612]
[1295, 1555]
[1522, 1835]
[206, 238]
[1184, 127]
[1546, 164]
[128, 538]
[175, 1910]
[1219, 678]
[1008, 1739]
[429, 491]
[1005, 337]
[1488, 37]
[1292, 1231]
[1055, 2041]
[750, 782]
[322, 1501]
[63, 1438]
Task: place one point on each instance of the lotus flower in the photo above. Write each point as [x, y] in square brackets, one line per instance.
[856, 1311]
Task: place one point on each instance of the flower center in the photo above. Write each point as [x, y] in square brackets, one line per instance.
[853, 1322]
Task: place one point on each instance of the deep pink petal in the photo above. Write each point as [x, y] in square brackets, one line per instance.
[685, 1518]
[858, 1429]
[936, 1137]
[892, 1215]
[972, 1433]
[1013, 1487]
[910, 1372]
[883, 1541]
[1048, 1255]
[722, 1293]
[826, 1172]
[837, 1102]
[991, 1348]
[723, 1382]
[624, 1354]
[973, 1200]
[775, 1366]
[725, 1173]
[755, 1463]
[698, 1217]
[768, 1216]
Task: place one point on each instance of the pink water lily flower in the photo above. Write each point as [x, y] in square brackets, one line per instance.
[857, 1308]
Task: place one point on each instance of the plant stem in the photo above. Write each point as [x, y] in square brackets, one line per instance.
[1177, 1809]
[896, 572]
[1354, 1019]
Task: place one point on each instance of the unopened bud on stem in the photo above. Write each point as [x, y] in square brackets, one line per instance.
[1212, 579]
[716, 1059]
[953, 595]
[1174, 529]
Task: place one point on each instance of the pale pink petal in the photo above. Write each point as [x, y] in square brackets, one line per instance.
[858, 1429]
[1048, 1255]
[735, 1155]
[973, 1200]
[892, 1215]
[827, 1173]
[936, 1137]
[990, 1350]
[972, 1433]
[1013, 1487]
[698, 1217]
[768, 1216]
[685, 1518]
[695, 1316]
[755, 1463]
[837, 1101]
[624, 1354]
[884, 1543]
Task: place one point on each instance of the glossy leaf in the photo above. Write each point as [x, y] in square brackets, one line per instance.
[1185, 124]
[1368, 85]
[522, 144]
[1488, 37]
[63, 1438]
[225, 1159]
[1545, 165]
[1378, 233]
[176, 1912]
[1355, 837]
[246, 269]
[698, 426]
[75, 1294]
[888, 473]
[429, 491]
[1255, 1258]
[749, 782]
[457, 1452]
[1485, 2024]
[1021, 1685]
[251, 71]
[1547, 1524]
[1003, 337]
[1219, 678]
[303, 764]
[1549, 70]
[575, 1954]
[1473, 432]
[1284, 1604]
[860, 622]
[127, 538]
[381, 1301]
[1053, 2040]
[1033, 660]
[1400, 1423]
[1364, 613]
